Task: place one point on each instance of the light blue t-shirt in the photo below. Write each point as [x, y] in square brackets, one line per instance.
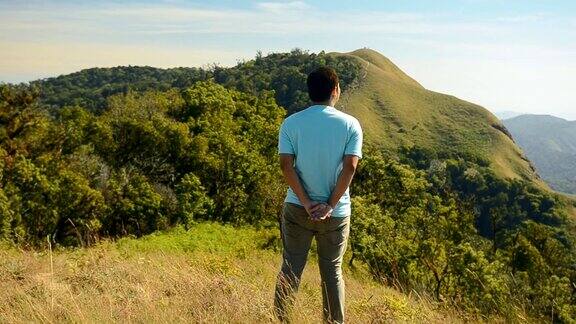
[319, 137]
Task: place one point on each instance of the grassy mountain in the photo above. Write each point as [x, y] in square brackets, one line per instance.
[550, 143]
[397, 111]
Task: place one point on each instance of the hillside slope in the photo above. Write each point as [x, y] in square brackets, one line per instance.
[397, 111]
[212, 273]
[550, 143]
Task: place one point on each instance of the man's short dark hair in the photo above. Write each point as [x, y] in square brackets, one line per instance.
[321, 82]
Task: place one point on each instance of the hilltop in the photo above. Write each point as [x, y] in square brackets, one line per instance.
[396, 111]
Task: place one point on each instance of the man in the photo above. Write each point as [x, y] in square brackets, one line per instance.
[319, 150]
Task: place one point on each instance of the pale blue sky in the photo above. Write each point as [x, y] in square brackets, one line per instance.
[503, 54]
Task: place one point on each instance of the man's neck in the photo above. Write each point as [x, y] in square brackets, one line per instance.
[324, 103]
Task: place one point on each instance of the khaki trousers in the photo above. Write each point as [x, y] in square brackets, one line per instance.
[331, 238]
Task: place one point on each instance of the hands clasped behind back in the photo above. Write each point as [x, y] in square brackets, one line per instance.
[319, 211]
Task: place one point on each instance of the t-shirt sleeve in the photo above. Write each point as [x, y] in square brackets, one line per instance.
[285, 145]
[354, 143]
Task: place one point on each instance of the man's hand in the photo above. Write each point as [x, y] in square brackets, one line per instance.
[312, 207]
[323, 212]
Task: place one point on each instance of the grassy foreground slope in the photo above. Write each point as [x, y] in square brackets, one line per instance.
[396, 111]
[211, 273]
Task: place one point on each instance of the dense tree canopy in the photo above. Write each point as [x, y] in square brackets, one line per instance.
[457, 231]
[285, 73]
[148, 161]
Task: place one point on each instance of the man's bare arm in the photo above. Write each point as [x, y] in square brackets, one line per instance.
[287, 167]
[349, 164]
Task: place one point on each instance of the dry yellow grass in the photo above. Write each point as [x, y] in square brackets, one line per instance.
[202, 275]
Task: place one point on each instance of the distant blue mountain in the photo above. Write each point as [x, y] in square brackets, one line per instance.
[507, 114]
[550, 143]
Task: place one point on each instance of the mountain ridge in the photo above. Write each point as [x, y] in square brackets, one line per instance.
[398, 111]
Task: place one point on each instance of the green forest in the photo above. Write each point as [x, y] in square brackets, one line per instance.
[106, 153]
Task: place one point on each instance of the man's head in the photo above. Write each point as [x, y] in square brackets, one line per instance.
[323, 86]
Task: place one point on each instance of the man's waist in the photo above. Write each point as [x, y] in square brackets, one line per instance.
[322, 198]
[342, 209]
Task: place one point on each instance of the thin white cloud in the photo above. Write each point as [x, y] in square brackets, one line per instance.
[295, 18]
[524, 18]
[283, 6]
[172, 14]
